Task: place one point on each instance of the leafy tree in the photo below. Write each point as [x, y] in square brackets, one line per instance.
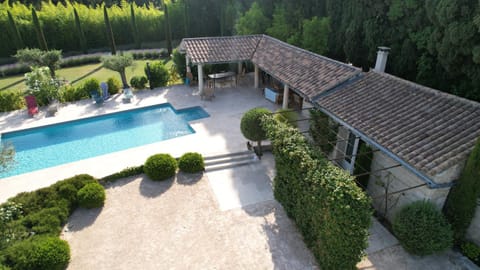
[80, 33]
[280, 28]
[251, 127]
[168, 30]
[15, 33]
[315, 34]
[109, 30]
[38, 29]
[119, 63]
[38, 58]
[462, 200]
[252, 22]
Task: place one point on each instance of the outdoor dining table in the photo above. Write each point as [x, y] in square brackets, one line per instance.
[222, 75]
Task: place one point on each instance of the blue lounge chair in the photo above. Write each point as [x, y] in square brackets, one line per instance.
[96, 96]
[105, 93]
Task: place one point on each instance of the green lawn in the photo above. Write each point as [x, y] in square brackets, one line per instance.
[72, 73]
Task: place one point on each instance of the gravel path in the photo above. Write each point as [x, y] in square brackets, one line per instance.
[177, 225]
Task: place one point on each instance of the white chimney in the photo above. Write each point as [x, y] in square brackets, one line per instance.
[382, 56]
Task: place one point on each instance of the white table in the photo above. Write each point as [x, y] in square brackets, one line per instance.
[222, 75]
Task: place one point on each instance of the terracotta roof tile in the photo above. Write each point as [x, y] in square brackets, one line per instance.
[220, 49]
[429, 129]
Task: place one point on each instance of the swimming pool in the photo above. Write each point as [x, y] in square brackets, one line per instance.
[48, 146]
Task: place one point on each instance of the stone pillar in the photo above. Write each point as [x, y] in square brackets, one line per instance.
[239, 68]
[187, 63]
[354, 156]
[257, 79]
[286, 92]
[200, 79]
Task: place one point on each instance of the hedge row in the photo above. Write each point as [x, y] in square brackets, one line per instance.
[58, 24]
[30, 223]
[330, 210]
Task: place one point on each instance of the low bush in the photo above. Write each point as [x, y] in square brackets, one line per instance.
[138, 82]
[91, 85]
[127, 172]
[38, 252]
[287, 116]
[114, 85]
[472, 251]
[13, 69]
[160, 167]
[37, 200]
[149, 53]
[159, 75]
[92, 195]
[11, 100]
[80, 60]
[47, 221]
[70, 93]
[422, 229]
[191, 163]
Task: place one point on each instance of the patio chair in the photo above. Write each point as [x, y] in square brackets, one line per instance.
[127, 95]
[105, 93]
[96, 96]
[32, 105]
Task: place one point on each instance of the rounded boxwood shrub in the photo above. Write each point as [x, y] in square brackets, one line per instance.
[422, 229]
[91, 85]
[92, 195]
[160, 167]
[138, 82]
[40, 252]
[250, 124]
[159, 75]
[114, 85]
[191, 163]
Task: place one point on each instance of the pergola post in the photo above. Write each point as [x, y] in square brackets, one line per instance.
[239, 68]
[286, 93]
[187, 63]
[257, 75]
[200, 79]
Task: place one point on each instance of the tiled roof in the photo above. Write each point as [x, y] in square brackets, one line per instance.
[430, 130]
[308, 73]
[220, 49]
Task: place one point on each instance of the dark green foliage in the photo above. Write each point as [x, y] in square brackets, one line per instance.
[91, 85]
[159, 75]
[250, 125]
[363, 162]
[114, 85]
[462, 199]
[191, 163]
[332, 213]
[39, 252]
[252, 22]
[3, 267]
[109, 31]
[70, 93]
[47, 221]
[127, 172]
[138, 82]
[80, 33]
[323, 131]
[168, 30]
[472, 251]
[287, 116]
[160, 167]
[422, 229]
[39, 58]
[136, 36]
[15, 33]
[315, 34]
[42, 43]
[92, 195]
[11, 100]
[180, 63]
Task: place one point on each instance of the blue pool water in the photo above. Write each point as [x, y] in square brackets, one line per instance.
[48, 146]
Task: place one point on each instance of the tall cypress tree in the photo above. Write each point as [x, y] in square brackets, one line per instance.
[108, 26]
[168, 32]
[38, 29]
[18, 41]
[80, 33]
[136, 35]
[186, 18]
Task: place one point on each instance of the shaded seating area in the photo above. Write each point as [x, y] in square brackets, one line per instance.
[32, 106]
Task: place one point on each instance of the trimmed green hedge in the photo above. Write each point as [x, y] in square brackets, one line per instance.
[127, 172]
[422, 229]
[160, 167]
[191, 163]
[330, 210]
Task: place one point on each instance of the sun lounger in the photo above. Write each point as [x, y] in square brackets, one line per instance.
[32, 105]
[105, 93]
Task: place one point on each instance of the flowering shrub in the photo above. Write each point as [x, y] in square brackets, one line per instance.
[42, 86]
